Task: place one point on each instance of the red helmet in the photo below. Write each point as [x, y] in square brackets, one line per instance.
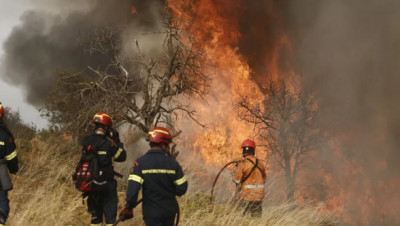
[248, 143]
[102, 118]
[160, 135]
[1, 111]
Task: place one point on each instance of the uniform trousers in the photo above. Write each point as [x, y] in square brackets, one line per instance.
[103, 202]
[159, 221]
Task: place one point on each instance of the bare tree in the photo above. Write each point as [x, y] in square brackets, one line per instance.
[141, 91]
[286, 121]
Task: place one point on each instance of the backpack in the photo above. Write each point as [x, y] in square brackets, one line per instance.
[88, 176]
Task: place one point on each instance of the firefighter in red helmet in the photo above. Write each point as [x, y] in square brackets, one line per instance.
[1, 111]
[8, 164]
[161, 179]
[250, 175]
[105, 141]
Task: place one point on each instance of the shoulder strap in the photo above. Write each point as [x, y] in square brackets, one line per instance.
[252, 169]
[100, 142]
[96, 146]
[255, 164]
[85, 152]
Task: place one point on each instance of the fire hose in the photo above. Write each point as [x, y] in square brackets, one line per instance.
[216, 178]
[141, 200]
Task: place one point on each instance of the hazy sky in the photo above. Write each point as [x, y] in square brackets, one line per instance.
[10, 11]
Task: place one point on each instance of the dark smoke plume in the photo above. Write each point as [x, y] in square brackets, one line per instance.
[45, 43]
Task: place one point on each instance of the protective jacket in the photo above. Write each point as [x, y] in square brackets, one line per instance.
[105, 201]
[8, 149]
[252, 189]
[8, 154]
[108, 152]
[161, 178]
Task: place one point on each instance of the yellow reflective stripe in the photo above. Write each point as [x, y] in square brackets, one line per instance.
[158, 171]
[151, 133]
[1, 142]
[136, 178]
[161, 131]
[118, 153]
[101, 116]
[11, 156]
[180, 181]
[254, 186]
[95, 224]
[102, 153]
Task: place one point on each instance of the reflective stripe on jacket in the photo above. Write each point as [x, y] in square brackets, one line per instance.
[253, 187]
[8, 149]
[161, 178]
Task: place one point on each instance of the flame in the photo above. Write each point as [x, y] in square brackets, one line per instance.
[217, 28]
[234, 75]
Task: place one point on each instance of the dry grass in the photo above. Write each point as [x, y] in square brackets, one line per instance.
[43, 192]
[44, 195]
[197, 210]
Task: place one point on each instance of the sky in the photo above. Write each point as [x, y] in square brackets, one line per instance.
[13, 97]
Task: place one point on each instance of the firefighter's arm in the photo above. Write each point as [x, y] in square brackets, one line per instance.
[120, 153]
[237, 177]
[264, 175]
[181, 184]
[135, 182]
[110, 151]
[11, 155]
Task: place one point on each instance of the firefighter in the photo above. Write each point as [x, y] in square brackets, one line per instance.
[161, 179]
[250, 175]
[105, 200]
[8, 163]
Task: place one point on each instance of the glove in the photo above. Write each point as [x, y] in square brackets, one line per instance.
[125, 215]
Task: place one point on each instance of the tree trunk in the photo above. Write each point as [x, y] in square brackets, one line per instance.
[289, 179]
[290, 189]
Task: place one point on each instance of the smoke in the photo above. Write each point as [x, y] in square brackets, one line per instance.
[45, 42]
[348, 51]
[261, 23]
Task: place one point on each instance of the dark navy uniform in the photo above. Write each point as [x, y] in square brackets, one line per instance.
[162, 179]
[9, 153]
[105, 201]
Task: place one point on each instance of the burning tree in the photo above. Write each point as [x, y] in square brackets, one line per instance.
[140, 90]
[286, 120]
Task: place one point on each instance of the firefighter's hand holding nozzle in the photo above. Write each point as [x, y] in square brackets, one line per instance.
[125, 215]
